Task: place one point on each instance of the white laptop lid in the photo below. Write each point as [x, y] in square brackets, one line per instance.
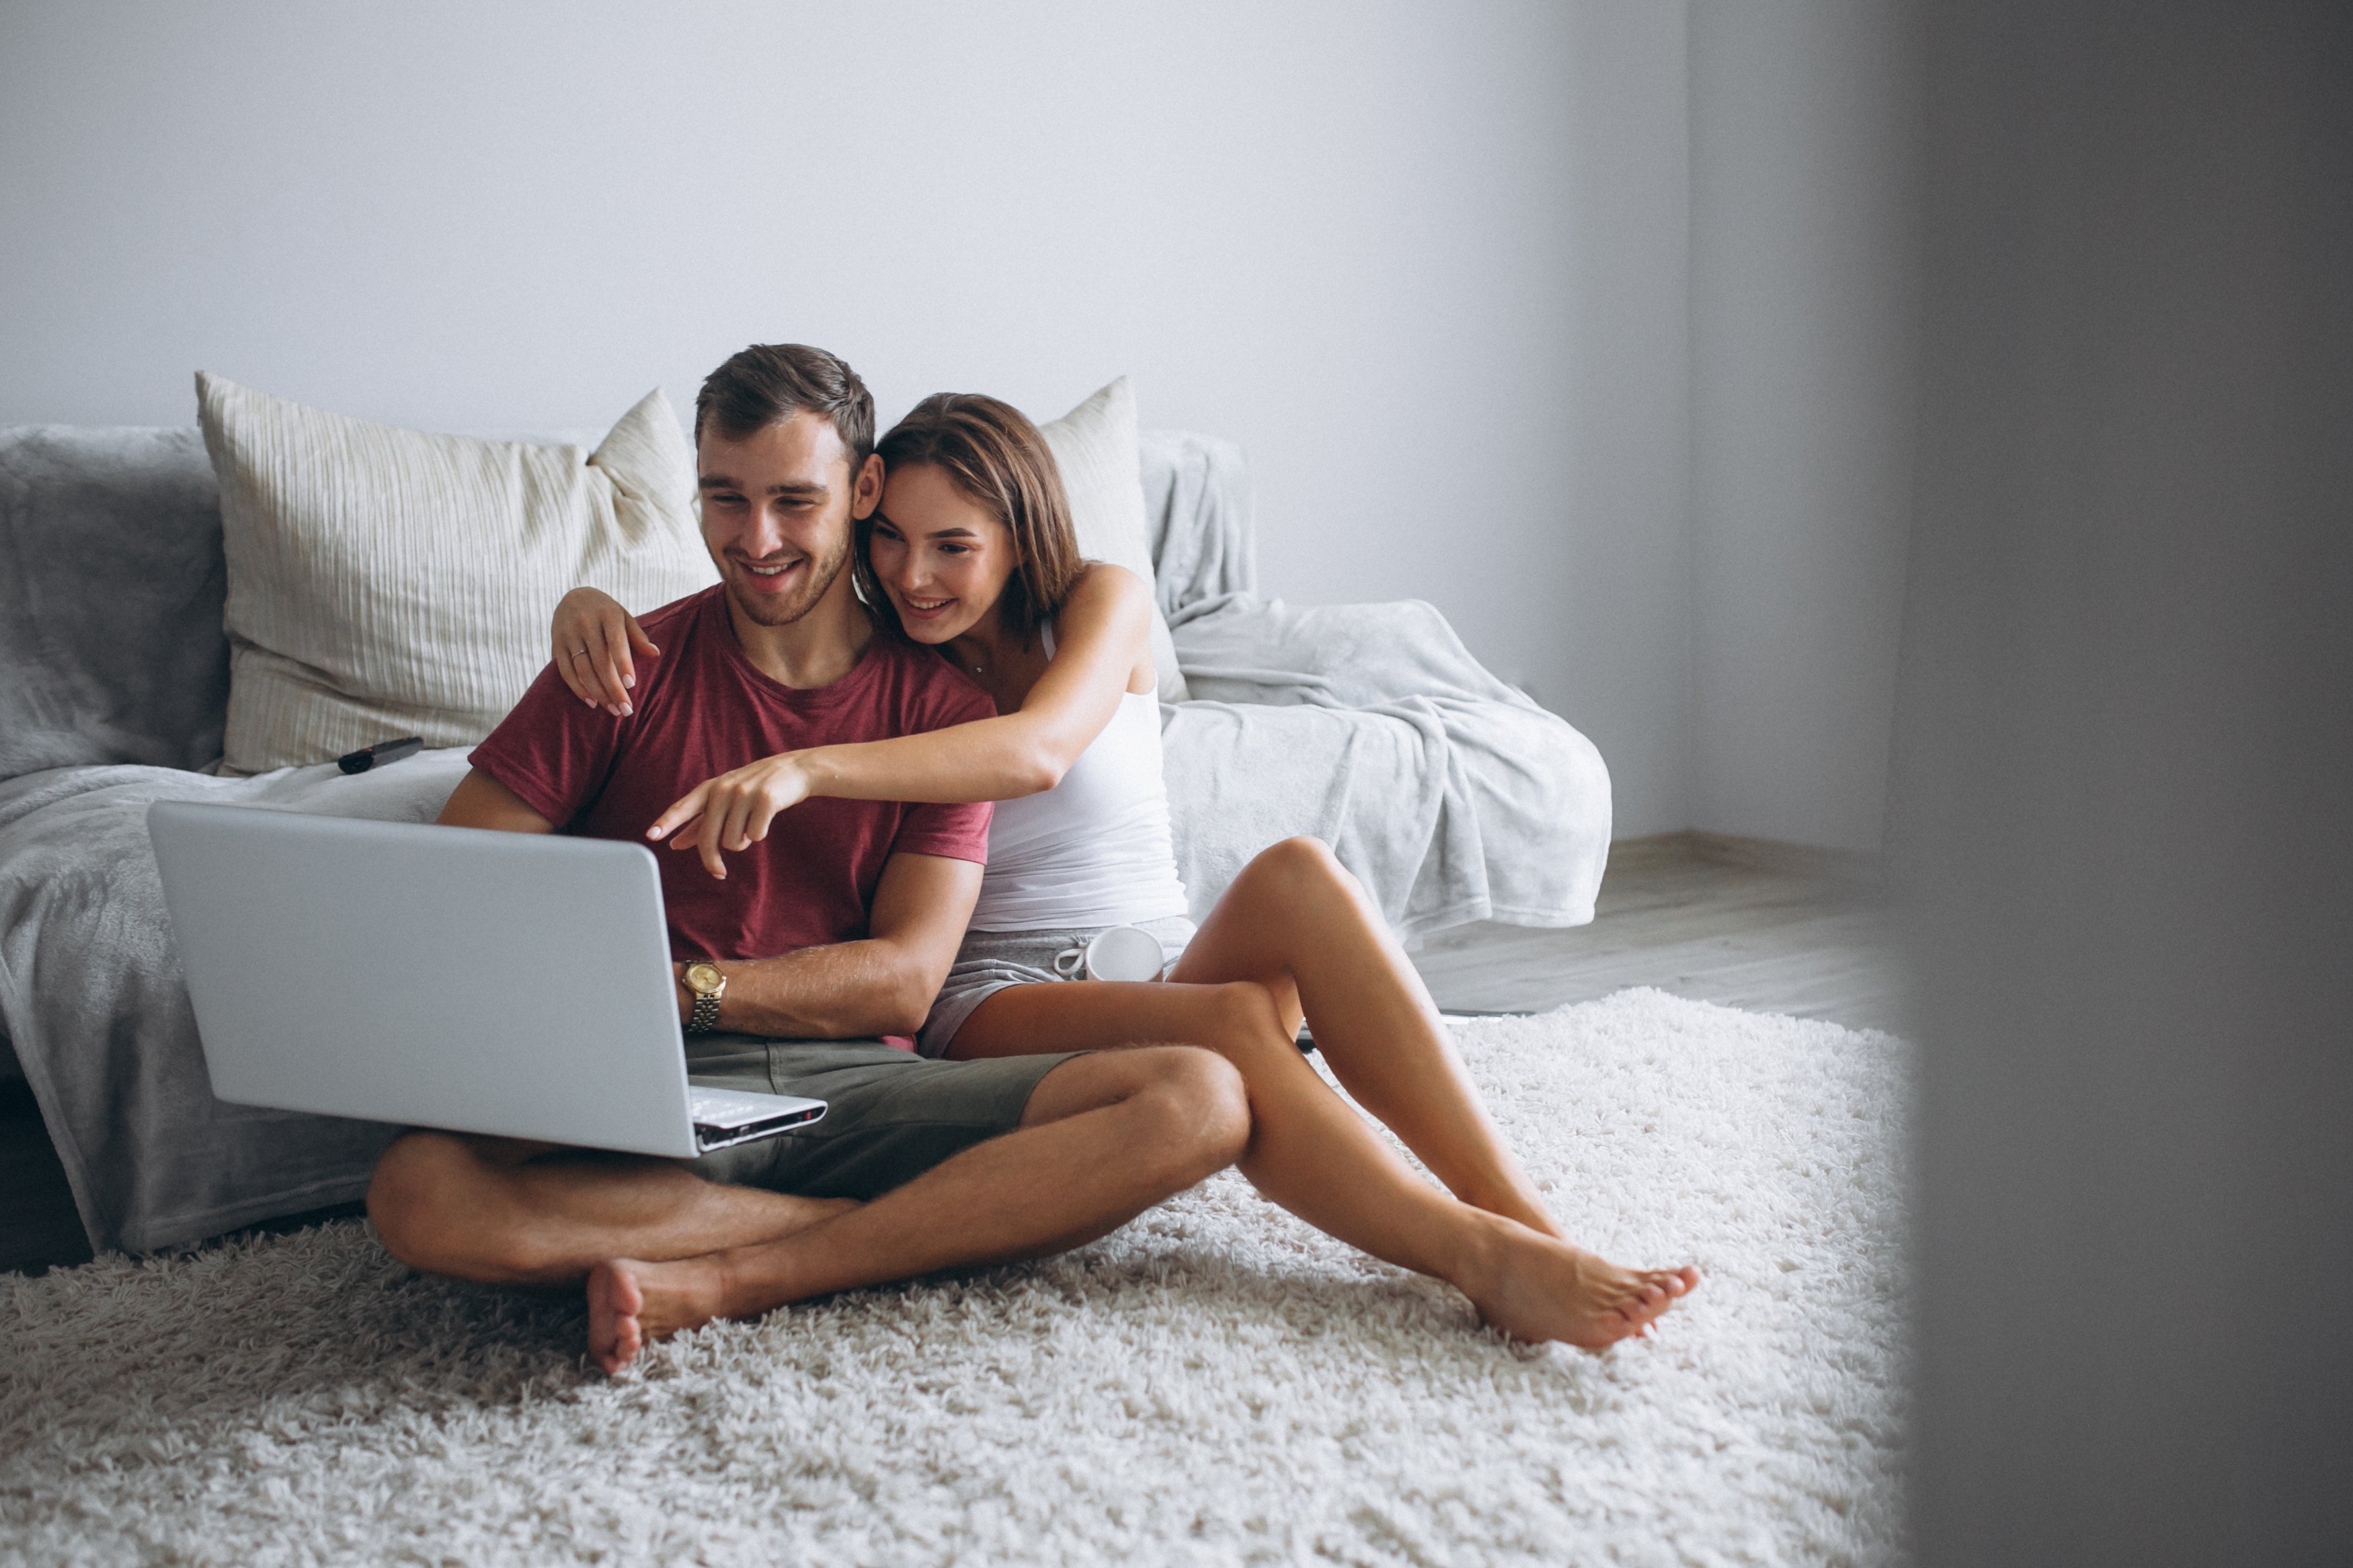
[499, 983]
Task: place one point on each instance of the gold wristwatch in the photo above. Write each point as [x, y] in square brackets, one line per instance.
[702, 978]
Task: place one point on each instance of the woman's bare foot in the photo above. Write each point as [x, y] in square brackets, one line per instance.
[1537, 1287]
[632, 1304]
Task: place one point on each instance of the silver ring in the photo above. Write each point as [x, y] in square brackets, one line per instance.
[578, 651]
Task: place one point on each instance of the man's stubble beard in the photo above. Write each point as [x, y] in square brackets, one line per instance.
[761, 610]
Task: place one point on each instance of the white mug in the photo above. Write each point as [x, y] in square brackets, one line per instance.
[1115, 953]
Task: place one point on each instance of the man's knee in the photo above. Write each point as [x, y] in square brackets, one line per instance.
[408, 1189]
[428, 1186]
[1200, 1111]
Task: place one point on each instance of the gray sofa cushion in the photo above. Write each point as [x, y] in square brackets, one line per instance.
[111, 584]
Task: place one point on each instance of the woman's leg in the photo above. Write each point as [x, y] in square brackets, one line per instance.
[1298, 923]
[1311, 1153]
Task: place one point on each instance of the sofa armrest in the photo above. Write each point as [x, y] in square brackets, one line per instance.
[1453, 796]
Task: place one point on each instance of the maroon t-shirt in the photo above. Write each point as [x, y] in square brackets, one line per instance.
[701, 708]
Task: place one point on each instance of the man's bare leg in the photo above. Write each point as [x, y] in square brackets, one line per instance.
[507, 1212]
[1104, 1137]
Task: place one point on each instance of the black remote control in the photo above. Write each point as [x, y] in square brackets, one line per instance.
[383, 752]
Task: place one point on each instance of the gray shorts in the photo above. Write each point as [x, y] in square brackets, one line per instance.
[989, 961]
[890, 1115]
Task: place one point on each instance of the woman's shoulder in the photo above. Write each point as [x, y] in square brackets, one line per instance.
[1111, 602]
[1102, 582]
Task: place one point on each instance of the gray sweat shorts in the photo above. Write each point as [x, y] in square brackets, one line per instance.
[989, 961]
[890, 1115]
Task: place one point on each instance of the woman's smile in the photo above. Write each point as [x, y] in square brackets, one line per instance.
[923, 618]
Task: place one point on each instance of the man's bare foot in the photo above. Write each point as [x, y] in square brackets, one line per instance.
[632, 1304]
[1534, 1288]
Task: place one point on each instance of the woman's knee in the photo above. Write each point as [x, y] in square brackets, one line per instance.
[1298, 866]
[1247, 1017]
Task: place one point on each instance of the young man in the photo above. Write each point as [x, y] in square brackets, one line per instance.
[833, 931]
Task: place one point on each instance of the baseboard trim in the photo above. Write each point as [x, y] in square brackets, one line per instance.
[1858, 866]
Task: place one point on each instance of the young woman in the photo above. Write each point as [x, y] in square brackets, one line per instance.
[972, 553]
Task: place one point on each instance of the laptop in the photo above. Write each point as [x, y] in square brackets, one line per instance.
[512, 984]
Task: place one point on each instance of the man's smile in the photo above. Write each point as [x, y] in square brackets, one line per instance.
[768, 577]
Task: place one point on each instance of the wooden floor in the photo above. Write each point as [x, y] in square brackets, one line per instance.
[1751, 925]
[1764, 926]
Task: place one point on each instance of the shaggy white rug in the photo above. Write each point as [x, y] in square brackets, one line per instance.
[1215, 1384]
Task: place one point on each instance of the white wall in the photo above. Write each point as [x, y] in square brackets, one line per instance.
[1427, 263]
[1803, 291]
[1591, 331]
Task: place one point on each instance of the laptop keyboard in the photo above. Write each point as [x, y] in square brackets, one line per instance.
[722, 1105]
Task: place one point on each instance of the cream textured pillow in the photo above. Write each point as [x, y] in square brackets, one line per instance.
[383, 581]
[1095, 444]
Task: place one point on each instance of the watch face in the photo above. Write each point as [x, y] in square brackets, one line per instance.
[702, 977]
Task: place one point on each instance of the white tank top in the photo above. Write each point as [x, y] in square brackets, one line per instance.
[1094, 850]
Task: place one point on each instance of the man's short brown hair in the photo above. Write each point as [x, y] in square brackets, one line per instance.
[767, 383]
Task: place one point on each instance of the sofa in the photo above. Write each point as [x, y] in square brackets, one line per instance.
[1451, 795]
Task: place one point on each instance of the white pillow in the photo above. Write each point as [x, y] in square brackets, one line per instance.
[385, 583]
[1095, 447]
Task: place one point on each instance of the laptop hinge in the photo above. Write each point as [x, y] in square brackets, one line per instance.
[708, 1138]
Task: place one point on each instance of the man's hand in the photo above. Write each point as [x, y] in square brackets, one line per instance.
[734, 810]
[882, 984]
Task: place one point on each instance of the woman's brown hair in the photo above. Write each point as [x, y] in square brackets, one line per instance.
[992, 453]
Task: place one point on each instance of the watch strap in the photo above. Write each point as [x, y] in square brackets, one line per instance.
[705, 1016]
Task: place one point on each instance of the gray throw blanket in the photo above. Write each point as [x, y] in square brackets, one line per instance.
[94, 1002]
[1452, 796]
